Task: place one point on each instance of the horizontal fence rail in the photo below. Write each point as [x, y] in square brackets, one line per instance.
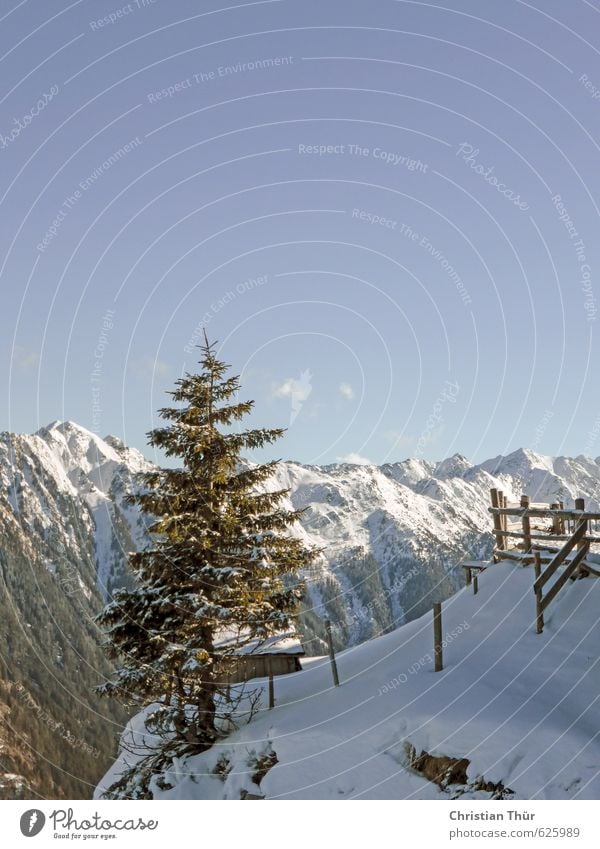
[549, 536]
[544, 512]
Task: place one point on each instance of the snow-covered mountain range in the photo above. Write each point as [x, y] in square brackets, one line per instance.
[392, 537]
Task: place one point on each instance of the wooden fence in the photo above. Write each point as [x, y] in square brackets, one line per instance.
[523, 524]
[546, 534]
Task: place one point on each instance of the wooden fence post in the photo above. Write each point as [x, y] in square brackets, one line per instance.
[580, 505]
[503, 518]
[497, 520]
[555, 519]
[539, 613]
[561, 506]
[525, 501]
[334, 670]
[271, 688]
[437, 637]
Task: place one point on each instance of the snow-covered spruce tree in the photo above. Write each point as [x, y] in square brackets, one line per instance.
[221, 562]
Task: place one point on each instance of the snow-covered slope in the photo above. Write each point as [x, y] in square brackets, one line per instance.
[516, 710]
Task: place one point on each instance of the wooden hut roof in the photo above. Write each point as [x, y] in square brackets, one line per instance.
[287, 643]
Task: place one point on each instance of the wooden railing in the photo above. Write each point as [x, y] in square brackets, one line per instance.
[526, 533]
[575, 529]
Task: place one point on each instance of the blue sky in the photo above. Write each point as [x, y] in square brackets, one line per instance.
[385, 212]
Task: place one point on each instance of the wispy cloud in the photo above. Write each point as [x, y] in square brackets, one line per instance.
[356, 459]
[346, 390]
[296, 390]
[149, 367]
[24, 359]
